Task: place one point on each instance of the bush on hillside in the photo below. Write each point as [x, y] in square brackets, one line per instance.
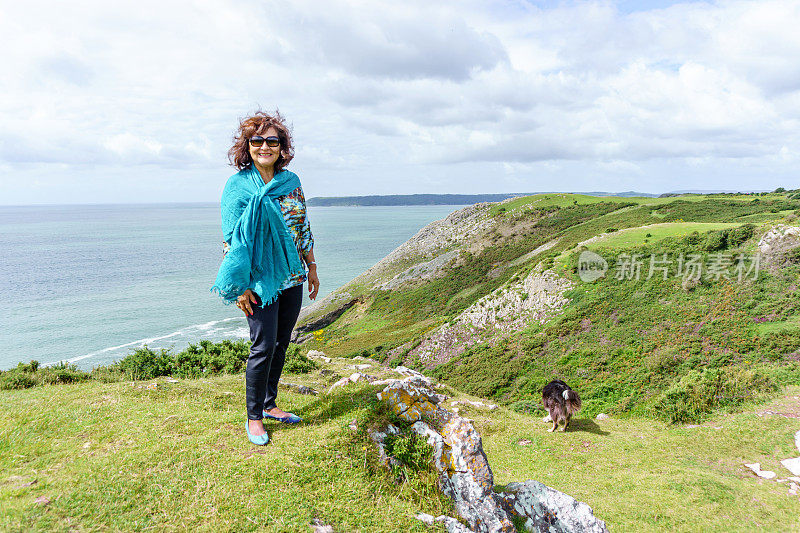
[29, 375]
[728, 238]
[298, 363]
[699, 392]
[11, 379]
[145, 363]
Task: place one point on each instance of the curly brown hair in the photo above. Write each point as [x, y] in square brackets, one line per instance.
[258, 124]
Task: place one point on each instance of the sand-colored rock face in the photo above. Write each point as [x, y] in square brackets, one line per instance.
[539, 296]
[776, 242]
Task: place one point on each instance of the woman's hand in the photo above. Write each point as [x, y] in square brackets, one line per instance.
[313, 282]
[245, 302]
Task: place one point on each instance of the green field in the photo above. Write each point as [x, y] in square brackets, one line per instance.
[654, 232]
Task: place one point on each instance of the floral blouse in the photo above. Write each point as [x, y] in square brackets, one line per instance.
[293, 207]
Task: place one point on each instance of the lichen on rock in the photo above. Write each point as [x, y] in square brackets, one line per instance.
[464, 472]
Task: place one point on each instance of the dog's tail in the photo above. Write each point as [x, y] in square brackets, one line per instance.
[572, 400]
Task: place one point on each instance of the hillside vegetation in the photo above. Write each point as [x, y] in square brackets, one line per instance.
[673, 348]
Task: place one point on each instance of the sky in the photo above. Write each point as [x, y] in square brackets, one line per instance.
[127, 102]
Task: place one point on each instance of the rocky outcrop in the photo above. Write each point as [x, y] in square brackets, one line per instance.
[421, 271]
[538, 296]
[464, 472]
[548, 510]
[777, 242]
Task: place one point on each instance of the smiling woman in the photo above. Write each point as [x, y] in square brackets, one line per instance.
[267, 239]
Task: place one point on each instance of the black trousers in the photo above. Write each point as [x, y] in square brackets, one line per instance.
[270, 330]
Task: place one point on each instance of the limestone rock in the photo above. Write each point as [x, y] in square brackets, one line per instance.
[546, 509]
[792, 465]
[797, 440]
[421, 271]
[464, 472]
[378, 438]
[316, 354]
[352, 378]
[756, 468]
[411, 402]
[302, 389]
[779, 240]
[341, 383]
[452, 525]
[489, 406]
[537, 297]
[318, 526]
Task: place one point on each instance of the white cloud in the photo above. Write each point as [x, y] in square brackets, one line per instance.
[569, 94]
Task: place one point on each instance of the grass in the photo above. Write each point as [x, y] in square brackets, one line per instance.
[655, 232]
[127, 456]
[166, 456]
[640, 475]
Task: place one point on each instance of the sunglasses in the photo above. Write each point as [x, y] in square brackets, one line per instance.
[272, 142]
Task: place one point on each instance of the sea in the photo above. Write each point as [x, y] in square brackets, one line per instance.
[88, 284]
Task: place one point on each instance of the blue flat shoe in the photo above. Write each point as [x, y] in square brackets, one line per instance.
[259, 440]
[290, 418]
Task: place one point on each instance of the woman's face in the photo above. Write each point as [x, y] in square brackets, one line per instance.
[265, 156]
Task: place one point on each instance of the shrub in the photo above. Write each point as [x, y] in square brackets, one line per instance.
[737, 236]
[715, 240]
[61, 373]
[296, 362]
[12, 379]
[31, 374]
[699, 392]
[144, 363]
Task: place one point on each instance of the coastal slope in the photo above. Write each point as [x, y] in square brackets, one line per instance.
[491, 300]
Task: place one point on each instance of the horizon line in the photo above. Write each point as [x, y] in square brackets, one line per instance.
[199, 202]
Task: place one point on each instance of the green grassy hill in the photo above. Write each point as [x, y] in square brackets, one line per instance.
[653, 347]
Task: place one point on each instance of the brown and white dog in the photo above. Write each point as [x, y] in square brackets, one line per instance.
[561, 402]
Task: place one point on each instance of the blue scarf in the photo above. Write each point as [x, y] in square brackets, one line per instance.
[262, 254]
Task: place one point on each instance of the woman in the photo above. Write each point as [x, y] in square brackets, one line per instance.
[267, 244]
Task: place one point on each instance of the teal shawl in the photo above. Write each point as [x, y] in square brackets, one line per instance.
[262, 254]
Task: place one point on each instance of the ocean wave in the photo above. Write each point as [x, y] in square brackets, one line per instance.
[208, 330]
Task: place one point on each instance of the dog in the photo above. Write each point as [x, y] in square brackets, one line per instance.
[561, 402]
